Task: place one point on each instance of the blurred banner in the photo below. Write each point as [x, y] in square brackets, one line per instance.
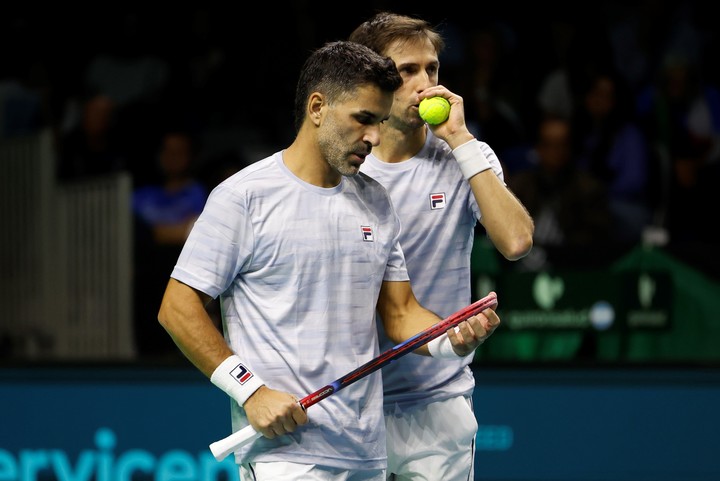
[112, 424]
[586, 300]
[647, 308]
[137, 424]
[597, 425]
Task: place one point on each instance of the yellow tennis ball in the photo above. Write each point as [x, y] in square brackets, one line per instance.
[434, 110]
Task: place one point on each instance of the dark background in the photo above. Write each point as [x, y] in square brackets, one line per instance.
[227, 75]
[238, 65]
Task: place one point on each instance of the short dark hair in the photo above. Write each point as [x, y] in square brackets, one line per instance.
[340, 67]
[384, 28]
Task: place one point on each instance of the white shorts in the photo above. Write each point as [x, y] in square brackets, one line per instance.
[284, 471]
[435, 442]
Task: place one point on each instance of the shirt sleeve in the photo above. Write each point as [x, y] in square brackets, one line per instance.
[219, 244]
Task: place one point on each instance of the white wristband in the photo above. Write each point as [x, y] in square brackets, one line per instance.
[441, 347]
[471, 159]
[236, 379]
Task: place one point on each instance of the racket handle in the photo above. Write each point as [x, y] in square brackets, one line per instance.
[229, 444]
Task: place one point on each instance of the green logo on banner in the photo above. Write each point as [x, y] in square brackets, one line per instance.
[547, 290]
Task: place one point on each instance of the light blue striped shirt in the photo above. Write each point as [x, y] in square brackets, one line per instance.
[298, 269]
[438, 213]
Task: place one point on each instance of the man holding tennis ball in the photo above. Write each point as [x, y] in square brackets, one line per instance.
[442, 181]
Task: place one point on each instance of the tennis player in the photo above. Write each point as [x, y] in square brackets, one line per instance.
[442, 181]
[300, 248]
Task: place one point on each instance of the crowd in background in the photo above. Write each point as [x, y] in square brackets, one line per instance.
[606, 116]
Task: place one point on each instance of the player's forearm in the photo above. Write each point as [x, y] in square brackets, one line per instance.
[417, 320]
[183, 315]
[505, 219]
[401, 314]
[399, 328]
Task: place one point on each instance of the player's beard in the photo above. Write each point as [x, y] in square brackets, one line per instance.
[413, 120]
[406, 122]
[335, 151]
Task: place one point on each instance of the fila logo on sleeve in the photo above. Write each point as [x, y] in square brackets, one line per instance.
[437, 201]
[367, 233]
[241, 374]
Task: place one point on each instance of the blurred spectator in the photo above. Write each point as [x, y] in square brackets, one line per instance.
[91, 147]
[693, 189]
[583, 50]
[164, 213]
[569, 205]
[580, 51]
[612, 147]
[202, 79]
[638, 32]
[491, 93]
[679, 107]
[129, 70]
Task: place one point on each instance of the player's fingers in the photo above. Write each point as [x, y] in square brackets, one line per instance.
[454, 334]
[278, 429]
[435, 91]
[479, 327]
[464, 337]
[468, 333]
[492, 320]
[268, 432]
[299, 415]
[470, 329]
[287, 422]
[279, 417]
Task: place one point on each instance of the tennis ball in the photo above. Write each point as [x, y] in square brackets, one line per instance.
[434, 110]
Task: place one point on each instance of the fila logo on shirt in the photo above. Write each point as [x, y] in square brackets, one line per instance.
[367, 233]
[241, 374]
[437, 201]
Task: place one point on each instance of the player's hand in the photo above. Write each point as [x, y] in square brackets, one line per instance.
[473, 332]
[454, 131]
[274, 413]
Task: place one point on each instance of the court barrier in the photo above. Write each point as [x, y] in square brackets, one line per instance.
[65, 259]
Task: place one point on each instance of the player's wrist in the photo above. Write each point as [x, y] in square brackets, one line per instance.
[441, 348]
[236, 379]
[471, 159]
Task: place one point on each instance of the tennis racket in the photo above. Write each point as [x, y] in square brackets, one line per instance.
[220, 449]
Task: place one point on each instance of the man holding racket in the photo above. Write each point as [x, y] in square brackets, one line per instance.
[442, 181]
[301, 249]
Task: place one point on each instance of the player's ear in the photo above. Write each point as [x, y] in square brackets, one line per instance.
[316, 102]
